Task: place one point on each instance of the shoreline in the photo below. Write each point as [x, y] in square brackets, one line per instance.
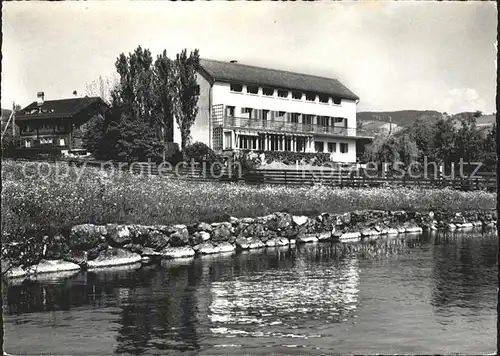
[95, 247]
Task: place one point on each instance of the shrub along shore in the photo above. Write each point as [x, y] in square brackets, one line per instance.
[91, 246]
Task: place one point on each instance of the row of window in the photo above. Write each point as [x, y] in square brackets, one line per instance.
[43, 141]
[28, 128]
[280, 143]
[292, 117]
[285, 94]
[38, 111]
[332, 147]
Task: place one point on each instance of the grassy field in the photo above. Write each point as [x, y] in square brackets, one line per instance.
[36, 198]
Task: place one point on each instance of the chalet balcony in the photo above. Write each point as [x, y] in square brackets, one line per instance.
[288, 127]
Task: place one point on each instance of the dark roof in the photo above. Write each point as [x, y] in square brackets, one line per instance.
[245, 74]
[58, 108]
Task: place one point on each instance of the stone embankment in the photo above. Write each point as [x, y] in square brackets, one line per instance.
[91, 247]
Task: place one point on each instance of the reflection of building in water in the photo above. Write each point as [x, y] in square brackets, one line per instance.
[304, 291]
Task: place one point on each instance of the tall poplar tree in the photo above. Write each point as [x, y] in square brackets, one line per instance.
[186, 93]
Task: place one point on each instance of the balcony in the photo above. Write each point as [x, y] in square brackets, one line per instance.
[288, 127]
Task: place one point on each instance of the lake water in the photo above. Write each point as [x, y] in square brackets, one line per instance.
[417, 294]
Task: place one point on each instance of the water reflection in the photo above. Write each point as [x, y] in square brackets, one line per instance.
[464, 272]
[304, 292]
[286, 294]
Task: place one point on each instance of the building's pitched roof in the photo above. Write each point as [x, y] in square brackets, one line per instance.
[245, 74]
[58, 108]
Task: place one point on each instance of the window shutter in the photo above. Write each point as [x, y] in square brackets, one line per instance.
[288, 117]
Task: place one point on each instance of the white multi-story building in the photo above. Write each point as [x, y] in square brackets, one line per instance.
[253, 108]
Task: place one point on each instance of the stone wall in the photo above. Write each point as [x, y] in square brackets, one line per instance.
[95, 246]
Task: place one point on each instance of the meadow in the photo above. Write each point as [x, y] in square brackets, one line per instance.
[49, 198]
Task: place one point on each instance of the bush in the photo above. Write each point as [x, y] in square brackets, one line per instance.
[200, 152]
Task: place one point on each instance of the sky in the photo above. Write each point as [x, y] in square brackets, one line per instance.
[393, 55]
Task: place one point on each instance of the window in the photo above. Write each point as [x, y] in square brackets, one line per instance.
[310, 96]
[62, 142]
[60, 127]
[248, 142]
[252, 89]
[332, 146]
[27, 143]
[44, 141]
[323, 98]
[197, 90]
[230, 111]
[301, 144]
[344, 148]
[280, 113]
[307, 119]
[294, 117]
[296, 95]
[282, 93]
[246, 111]
[323, 120]
[319, 146]
[340, 122]
[337, 101]
[268, 91]
[27, 128]
[236, 87]
[228, 140]
[288, 143]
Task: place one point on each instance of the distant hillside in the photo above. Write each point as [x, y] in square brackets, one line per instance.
[402, 118]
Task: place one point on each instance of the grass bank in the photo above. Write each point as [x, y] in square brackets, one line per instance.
[47, 198]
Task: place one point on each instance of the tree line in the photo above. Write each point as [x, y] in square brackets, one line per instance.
[149, 96]
[447, 140]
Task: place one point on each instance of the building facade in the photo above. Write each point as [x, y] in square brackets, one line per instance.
[244, 107]
[56, 124]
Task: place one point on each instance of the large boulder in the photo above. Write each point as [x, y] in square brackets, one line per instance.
[257, 229]
[204, 227]
[149, 252]
[198, 237]
[290, 232]
[44, 267]
[225, 247]
[299, 220]
[119, 235]
[180, 237]
[178, 252]
[93, 253]
[255, 242]
[205, 248]
[277, 241]
[279, 221]
[157, 240]
[242, 243]
[221, 233]
[114, 257]
[247, 220]
[86, 236]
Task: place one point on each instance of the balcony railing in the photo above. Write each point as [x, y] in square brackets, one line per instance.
[282, 126]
